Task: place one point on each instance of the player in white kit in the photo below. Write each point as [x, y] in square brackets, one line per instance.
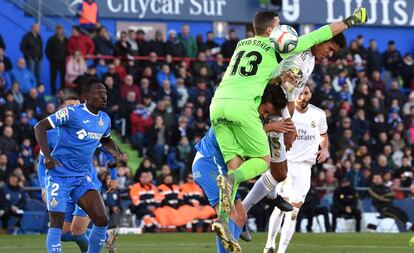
[311, 146]
[304, 64]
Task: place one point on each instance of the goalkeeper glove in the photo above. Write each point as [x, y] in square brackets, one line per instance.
[358, 17]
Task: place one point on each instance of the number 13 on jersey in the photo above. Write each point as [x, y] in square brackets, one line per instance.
[253, 59]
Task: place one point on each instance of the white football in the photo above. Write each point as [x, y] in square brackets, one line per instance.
[284, 39]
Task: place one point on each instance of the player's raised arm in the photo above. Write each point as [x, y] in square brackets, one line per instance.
[326, 32]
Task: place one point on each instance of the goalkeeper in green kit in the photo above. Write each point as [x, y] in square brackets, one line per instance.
[234, 108]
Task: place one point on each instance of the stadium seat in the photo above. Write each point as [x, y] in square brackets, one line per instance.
[34, 222]
[34, 205]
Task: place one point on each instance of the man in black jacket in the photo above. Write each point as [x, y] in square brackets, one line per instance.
[310, 209]
[31, 47]
[382, 197]
[345, 201]
[12, 201]
[56, 52]
[228, 47]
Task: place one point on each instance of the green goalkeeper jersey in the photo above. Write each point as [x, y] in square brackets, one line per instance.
[253, 63]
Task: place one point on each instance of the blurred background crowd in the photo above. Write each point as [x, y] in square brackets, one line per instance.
[159, 93]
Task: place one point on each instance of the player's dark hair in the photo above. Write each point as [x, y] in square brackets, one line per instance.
[340, 40]
[275, 95]
[88, 83]
[262, 20]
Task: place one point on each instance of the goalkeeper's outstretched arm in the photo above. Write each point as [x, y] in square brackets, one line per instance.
[326, 32]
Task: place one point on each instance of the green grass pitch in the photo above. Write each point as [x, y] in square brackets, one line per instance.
[203, 243]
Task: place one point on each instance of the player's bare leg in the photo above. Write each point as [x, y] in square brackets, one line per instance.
[91, 202]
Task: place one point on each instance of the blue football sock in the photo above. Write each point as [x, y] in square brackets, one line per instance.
[236, 229]
[220, 248]
[82, 241]
[97, 239]
[53, 240]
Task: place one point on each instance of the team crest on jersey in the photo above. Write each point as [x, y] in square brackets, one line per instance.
[313, 124]
[62, 113]
[100, 123]
[53, 202]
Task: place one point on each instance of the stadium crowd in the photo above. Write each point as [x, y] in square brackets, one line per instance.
[160, 105]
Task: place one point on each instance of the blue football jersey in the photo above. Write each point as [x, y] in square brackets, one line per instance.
[208, 146]
[80, 133]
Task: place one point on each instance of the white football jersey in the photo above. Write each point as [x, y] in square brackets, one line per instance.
[305, 61]
[309, 126]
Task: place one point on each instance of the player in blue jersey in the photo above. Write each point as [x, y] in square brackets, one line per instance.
[209, 163]
[76, 220]
[82, 128]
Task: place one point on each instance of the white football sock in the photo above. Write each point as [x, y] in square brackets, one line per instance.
[264, 185]
[274, 225]
[288, 229]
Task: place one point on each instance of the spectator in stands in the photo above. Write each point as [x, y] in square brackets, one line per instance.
[80, 42]
[407, 71]
[88, 15]
[32, 48]
[119, 68]
[374, 58]
[166, 74]
[392, 62]
[158, 137]
[145, 199]
[4, 170]
[188, 41]
[132, 36]
[218, 67]
[382, 197]
[23, 77]
[311, 208]
[130, 86]
[152, 63]
[201, 46]
[34, 102]
[360, 124]
[141, 123]
[355, 176]
[157, 45]
[75, 67]
[361, 48]
[103, 43]
[123, 47]
[114, 75]
[56, 53]
[5, 60]
[345, 202]
[201, 62]
[167, 92]
[228, 47]
[12, 201]
[173, 45]
[5, 77]
[211, 44]
[193, 195]
[143, 46]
